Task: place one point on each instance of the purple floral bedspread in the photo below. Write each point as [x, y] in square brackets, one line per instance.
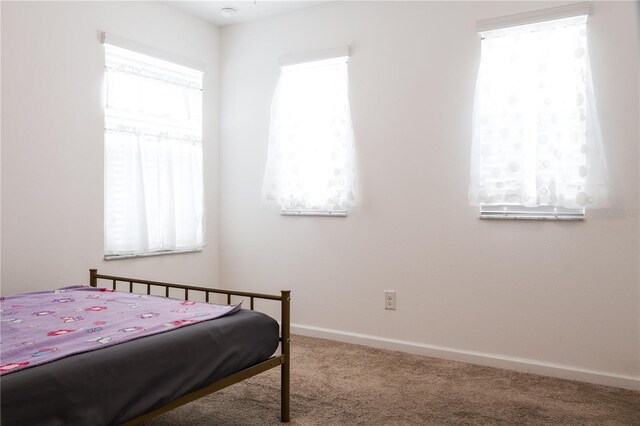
[44, 326]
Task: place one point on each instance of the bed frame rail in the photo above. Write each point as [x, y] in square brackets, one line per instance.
[282, 360]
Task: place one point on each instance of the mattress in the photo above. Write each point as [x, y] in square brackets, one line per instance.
[118, 383]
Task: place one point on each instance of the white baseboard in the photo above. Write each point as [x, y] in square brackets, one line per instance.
[490, 360]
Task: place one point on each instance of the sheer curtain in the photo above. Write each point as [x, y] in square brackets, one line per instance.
[311, 158]
[153, 155]
[536, 139]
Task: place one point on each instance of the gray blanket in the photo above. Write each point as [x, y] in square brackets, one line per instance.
[115, 384]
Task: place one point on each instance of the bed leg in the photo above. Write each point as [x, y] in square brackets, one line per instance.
[286, 366]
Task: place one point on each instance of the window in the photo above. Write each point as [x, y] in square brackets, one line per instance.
[536, 145]
[153, 155]
[311, 162]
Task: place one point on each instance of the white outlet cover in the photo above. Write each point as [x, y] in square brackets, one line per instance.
[390, 299]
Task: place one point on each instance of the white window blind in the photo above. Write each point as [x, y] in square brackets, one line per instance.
[311, 160]
[536, 139]
[153, 155]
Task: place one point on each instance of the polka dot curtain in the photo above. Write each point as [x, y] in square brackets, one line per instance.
[536, 139]
[311, 158]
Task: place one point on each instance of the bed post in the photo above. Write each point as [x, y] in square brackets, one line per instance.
[286, 366]
[93, 280]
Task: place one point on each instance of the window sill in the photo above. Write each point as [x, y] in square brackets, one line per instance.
[155, 253]
[514, 212]
[297, 212]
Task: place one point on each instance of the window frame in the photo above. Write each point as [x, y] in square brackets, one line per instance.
[308, 60]
[520, 211]
[178, 62]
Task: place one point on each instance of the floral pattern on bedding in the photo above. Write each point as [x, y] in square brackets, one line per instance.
[41, 327]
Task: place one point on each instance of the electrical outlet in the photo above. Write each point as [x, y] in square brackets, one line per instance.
[390, 299]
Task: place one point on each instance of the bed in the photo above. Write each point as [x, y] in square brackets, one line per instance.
[128, 383]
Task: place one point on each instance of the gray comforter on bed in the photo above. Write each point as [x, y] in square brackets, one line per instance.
[115, 384]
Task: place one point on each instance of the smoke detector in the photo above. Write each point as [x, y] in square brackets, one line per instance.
[228, 12]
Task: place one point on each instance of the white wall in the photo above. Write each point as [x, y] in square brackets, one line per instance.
[552, 297]
[52, 139]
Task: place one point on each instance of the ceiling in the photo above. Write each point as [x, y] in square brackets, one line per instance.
[247, 10]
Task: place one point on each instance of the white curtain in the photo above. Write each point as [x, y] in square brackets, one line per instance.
[311, 158]
[153, 155]
[536, 139]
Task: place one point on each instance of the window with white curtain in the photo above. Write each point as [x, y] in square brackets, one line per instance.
[311, 159]
[537, 150]
[153, 155]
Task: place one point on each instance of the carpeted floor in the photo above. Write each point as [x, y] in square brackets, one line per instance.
[340, 384]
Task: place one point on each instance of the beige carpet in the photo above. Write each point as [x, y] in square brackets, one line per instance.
[341, 384]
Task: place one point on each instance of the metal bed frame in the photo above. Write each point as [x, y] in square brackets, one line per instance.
[282, 360]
